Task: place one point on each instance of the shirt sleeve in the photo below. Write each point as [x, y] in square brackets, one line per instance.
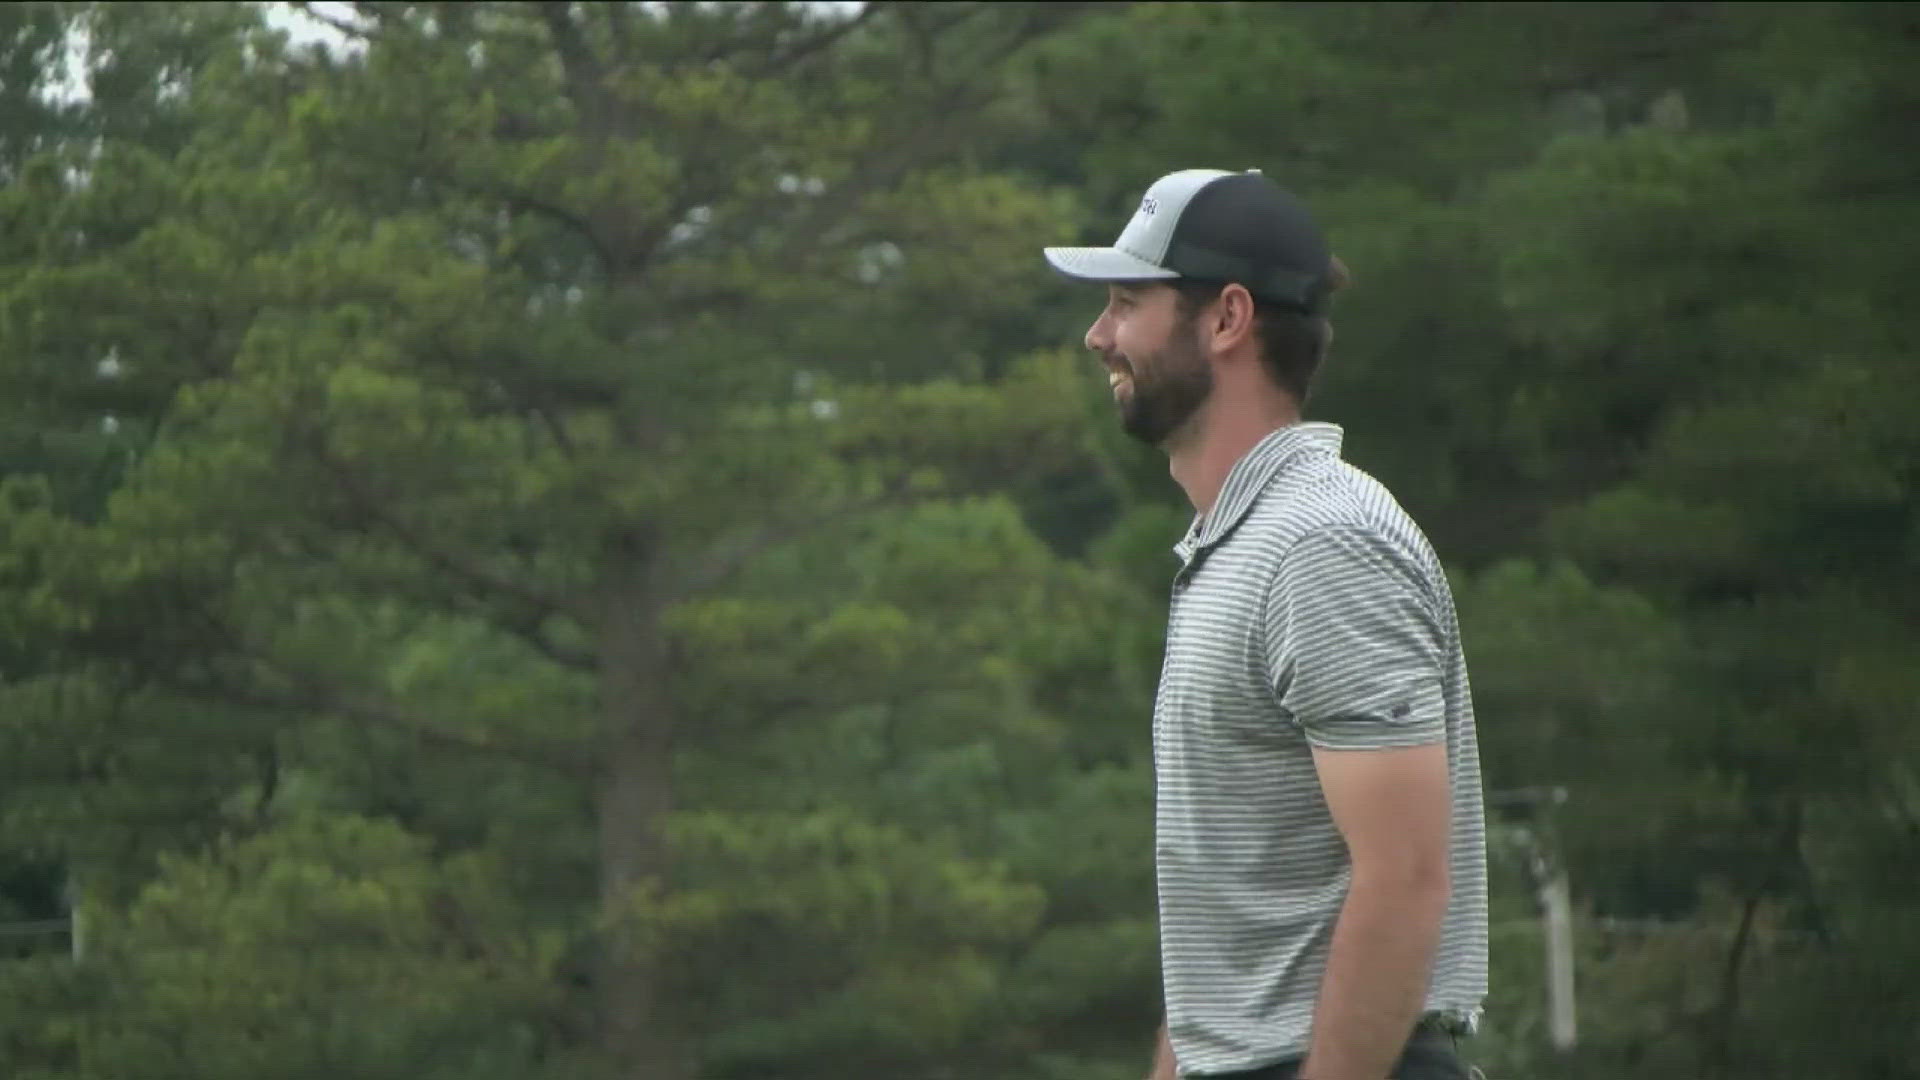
[1354, 650]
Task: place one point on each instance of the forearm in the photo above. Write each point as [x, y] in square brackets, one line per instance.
[1378, 969]
[1163, 1066]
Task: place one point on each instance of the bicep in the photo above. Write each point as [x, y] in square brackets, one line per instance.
[1393, 807]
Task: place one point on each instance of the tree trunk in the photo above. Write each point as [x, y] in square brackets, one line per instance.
[635, 795]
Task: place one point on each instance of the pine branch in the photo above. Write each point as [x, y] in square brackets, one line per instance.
[525, 202]
[582, 71]
[340, 26]
[316, 694]
[309, 693]
[543, 604]
[819, 42]
[725, 560]
[918, 138]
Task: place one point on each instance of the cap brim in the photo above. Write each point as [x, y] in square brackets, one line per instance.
[1105, 264]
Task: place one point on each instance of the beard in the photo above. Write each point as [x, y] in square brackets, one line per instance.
[1167, 390]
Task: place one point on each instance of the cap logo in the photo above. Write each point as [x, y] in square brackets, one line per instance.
[1148, 206]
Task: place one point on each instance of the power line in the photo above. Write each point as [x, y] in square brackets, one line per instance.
[36, 927]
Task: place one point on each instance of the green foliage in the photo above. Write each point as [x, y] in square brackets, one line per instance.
[573, 540]
[340, 944]
[1627, 343]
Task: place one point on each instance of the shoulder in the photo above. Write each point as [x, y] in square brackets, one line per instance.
[1332, 499]
[1336, 528]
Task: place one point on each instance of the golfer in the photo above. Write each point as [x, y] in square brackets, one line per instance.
[1319, 837]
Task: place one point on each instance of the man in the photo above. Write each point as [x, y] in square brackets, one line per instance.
[1319, 836]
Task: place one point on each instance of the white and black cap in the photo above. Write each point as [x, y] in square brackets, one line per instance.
[1213, 225]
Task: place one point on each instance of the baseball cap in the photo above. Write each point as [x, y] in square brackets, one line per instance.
[1215, 225]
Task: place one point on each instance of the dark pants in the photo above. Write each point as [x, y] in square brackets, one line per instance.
[1431, 1054]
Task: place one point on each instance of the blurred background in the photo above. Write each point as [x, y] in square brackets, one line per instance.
[562, 541]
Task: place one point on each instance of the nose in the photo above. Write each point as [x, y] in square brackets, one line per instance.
[1099, 336]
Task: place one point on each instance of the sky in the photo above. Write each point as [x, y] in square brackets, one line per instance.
[302, 29]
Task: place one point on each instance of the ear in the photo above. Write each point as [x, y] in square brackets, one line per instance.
[1229, 325]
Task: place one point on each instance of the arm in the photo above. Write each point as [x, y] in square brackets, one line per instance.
[1163, 1066]
[1355, 650]
[1393, 809]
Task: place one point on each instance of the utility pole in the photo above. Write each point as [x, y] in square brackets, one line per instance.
[1555, 897]
[76, 927]
[1547, 873]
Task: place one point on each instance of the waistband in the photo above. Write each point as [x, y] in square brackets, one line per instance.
[1431, 1027]
[1450, 1022]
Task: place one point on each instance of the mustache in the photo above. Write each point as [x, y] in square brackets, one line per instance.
[1117, 360]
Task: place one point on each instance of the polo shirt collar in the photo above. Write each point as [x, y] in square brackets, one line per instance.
[1251, 474]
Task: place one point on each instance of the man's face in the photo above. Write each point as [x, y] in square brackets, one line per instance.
[1154, 364]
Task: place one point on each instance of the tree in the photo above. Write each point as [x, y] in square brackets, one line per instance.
[506, 390]
[589, 507]
[1770, 513]
[1624, 338]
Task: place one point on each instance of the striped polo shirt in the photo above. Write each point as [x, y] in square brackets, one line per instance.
[1308, 610]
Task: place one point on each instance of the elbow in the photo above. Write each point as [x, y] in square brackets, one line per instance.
[1418, 883]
